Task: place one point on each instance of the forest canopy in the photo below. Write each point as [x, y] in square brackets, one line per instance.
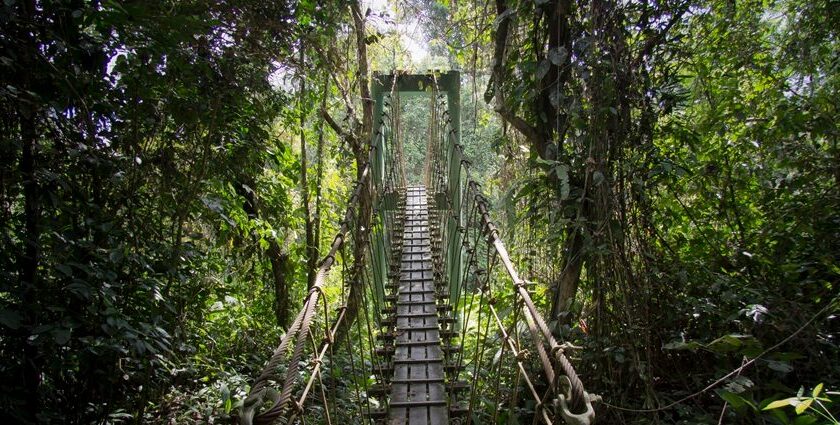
[666, 176]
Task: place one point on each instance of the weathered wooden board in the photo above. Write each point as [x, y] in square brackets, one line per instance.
[418, 395]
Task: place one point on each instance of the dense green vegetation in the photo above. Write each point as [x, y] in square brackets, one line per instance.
[667, 173]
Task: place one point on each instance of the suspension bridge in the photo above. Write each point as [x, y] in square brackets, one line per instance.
[418, 273]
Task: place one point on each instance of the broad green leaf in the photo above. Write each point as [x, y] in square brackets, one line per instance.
[736, 401]
[803, 406]
[783, 367]
[792, 401]
[746, 344]
[817, 390]
[739, 384]
[682, 345]
[61, 336]
[562, 171]
[497, 357]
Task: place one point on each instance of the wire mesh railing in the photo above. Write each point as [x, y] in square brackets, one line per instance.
[501, 358]
[513, 362]
[305, 378]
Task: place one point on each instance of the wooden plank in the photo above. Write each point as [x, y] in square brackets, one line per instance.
[418, 391]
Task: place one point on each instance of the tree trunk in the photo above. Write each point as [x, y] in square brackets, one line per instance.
[313, 257]
[363, 138]
[567, 283]
[280, 270]
[546, 140]
[311, 250]
[361, 228]
[281, 265]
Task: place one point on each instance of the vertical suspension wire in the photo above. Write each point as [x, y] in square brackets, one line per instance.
[333, 376]
[480, 343]
[358, 404]
[398, 136]
[514, 399]
[473, 236]
[513, 341]
[430, 142]
[365, 285]
[376, 234]
[375, 363]
[318, 359]
[502, 348]
[470, 267]
[371, 345]
[385, 129]
[485, 300]
[463, 288]
[321, 386]
[394, 147]
[344, 273]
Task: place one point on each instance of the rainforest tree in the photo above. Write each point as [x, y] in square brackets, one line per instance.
[667, 175]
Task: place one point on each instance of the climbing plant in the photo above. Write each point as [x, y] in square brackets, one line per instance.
[666, 176]
[660, 162]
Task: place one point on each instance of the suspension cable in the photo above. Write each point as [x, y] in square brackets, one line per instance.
[442, 154]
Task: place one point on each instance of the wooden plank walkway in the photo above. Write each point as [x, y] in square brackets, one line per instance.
[418, 393]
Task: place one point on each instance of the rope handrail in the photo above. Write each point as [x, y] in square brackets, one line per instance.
[380, 174]
[580, 397]
[463, 235]
[249, 413]
[447, 159]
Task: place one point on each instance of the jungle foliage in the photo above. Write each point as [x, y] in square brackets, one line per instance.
[666, 173]
[672, 179]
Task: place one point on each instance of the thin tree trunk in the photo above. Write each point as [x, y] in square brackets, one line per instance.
[280, 270]
[364, 87]
[567, 283]
[360, 150]
[836, 164]
[311, 250]
[312, 259]
[281, 265]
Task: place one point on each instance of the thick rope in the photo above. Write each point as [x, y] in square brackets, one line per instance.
[536, 323]
[477, 235]
[250, 414]
[579, 398]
